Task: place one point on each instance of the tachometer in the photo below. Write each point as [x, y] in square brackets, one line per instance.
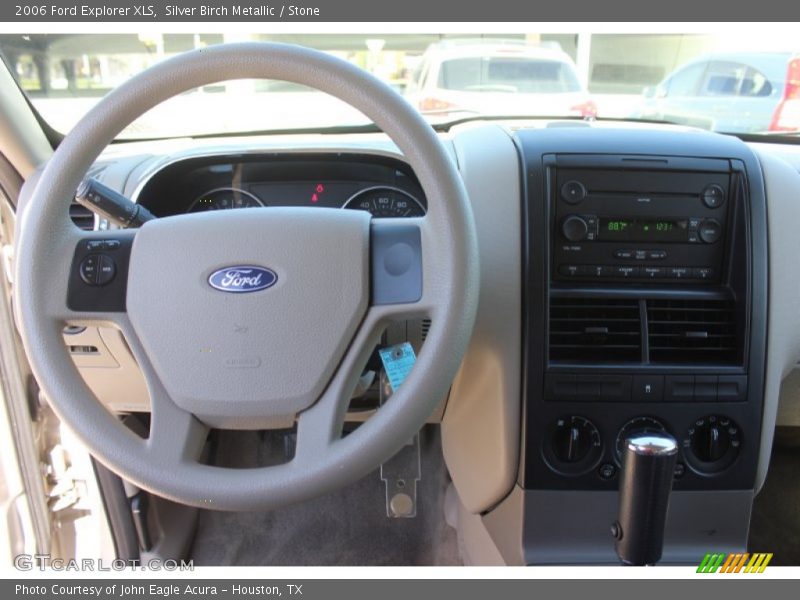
[224, 199]
[384, 201]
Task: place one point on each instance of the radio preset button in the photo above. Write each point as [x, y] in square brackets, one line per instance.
[572, 270]
[626, 272]
[713, 196]
[573, 192]
[599, 271]
[710, 231]
[679, 272]
[654, 272]
[703, 273]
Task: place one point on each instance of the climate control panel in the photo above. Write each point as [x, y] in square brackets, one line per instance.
[576, 446]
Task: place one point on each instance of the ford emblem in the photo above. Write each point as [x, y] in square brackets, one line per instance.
[241, 279]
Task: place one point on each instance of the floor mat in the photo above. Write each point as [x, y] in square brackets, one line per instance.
[775, 524]
[347, 527]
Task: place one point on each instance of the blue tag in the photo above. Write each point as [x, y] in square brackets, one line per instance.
[397, 362]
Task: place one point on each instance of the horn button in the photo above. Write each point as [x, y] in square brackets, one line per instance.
[245, 314]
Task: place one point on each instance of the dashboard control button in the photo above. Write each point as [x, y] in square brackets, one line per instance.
[710, 231]
[559, 387]
[635, 426]
[624, 254]
[573, 192]
[607, 471]
[694, 223]
[732, 388]
[575, 228]
[703, 273]
[648, 388]
[112, 244]
[679, 272]
[106, 270]
[640, 255]
[626, 272]
[693, 237]
[654, 272]
[573, 446]
[680, 470]
[705, 388]
[712, 444]
[587, 388]
[572, 270]
[599, 271]
[679, 388]
[615, 388]
[656, 254]
[713, 196]
[89, 268]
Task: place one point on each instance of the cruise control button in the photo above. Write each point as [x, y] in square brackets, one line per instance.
[112, 244]
[106, 271]
[89, 268]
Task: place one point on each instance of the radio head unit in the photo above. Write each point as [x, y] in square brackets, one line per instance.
[640, 225]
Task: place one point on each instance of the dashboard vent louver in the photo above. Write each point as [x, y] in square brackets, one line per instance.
[81, 216]
[594, 330]
[692, 332]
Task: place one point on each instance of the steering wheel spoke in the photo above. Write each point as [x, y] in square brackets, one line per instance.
[176, 435]
[96, 268]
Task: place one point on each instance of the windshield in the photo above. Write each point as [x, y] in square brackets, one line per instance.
[718, 82]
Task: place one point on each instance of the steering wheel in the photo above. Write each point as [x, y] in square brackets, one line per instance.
[323, 285]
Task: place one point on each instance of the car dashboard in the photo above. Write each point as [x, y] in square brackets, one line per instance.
[633, 278]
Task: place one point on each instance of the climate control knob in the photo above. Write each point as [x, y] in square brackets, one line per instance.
[712, 444]
[634, 427]
[573, 445]
[575, 228]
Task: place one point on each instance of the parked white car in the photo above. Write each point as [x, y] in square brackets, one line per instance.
[506, 77]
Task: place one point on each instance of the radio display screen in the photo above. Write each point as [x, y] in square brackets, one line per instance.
[615, 229]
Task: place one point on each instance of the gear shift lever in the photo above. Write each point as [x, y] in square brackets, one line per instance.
[648, 463]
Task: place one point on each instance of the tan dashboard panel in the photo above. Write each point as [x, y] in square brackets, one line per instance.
[107, 366]
[480, 428]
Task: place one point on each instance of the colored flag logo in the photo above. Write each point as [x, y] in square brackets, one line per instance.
[735, 562]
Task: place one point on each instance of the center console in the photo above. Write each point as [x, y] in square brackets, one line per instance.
[645, 259]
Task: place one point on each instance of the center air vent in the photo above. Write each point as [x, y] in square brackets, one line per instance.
[692, 332]
[595, 330]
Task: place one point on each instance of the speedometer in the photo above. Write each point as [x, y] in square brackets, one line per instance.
[384, 202]
[223, 199]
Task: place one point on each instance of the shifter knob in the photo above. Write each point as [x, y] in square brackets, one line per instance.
[648, 463]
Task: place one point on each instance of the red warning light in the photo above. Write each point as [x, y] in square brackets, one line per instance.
[320, 188]
[314, 198]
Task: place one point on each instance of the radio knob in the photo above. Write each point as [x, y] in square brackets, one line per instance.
[710, 231]
[575, 228]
